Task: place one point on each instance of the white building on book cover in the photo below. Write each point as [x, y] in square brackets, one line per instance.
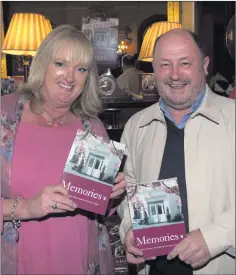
[156, 215]
[91, 156]
[90, 170]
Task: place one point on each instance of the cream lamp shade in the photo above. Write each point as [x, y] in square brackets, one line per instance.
[25, 34]
[154, 31]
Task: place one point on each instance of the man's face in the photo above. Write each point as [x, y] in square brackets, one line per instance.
[179, 70]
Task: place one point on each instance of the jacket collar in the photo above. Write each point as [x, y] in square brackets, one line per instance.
[208, 109]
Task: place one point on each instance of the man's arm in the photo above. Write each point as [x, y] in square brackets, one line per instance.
[123, 212]
[123, 208]
[220, 233]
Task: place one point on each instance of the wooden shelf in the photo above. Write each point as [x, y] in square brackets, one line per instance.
[117, 111]
[119, 103]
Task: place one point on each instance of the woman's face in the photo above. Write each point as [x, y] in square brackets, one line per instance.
[64, 80]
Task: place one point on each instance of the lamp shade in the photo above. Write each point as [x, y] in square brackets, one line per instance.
[48, 25]
[154, 31]
[25, 34]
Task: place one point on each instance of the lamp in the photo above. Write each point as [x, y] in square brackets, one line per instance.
[48, 24]
[173, 11]
[3, 56]
[122, 47]
[24, 35]
[154, 31]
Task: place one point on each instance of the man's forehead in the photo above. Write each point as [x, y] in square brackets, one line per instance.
[176, 33]
[175, 40]
[176, 47]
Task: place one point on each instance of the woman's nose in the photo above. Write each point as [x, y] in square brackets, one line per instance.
[69, 75]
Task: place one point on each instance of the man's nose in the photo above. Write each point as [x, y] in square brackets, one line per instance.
[175, 73]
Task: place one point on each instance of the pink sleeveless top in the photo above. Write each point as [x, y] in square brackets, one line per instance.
[58, 243]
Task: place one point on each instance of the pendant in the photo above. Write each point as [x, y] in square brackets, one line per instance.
[54, 124]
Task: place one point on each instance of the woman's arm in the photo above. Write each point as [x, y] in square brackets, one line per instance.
[21, 211]
[39, 206]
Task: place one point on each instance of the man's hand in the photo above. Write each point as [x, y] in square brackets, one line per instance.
[192, 250]
[133, 254]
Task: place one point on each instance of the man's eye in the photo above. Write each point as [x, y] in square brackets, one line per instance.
[164, 65]
[59, 64]
[186, 64]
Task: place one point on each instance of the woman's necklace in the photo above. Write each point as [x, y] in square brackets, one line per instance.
[55, 122]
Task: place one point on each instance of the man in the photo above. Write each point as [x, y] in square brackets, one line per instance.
[188, 134]
[129, 80]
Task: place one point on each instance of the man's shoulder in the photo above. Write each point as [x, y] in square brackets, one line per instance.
[224, 100]
[226, 105]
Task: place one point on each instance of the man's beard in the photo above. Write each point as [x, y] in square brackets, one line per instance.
[182, 104]
[178, 106]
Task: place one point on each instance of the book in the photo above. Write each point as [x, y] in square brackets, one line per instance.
[156, 215]
[113, 224]
[90, 171]
[122, 267]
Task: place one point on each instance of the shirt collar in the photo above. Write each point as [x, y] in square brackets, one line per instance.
[209, 108]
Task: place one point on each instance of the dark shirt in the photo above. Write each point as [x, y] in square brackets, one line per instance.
[173, 165]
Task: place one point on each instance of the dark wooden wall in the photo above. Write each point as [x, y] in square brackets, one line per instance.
[213, 20]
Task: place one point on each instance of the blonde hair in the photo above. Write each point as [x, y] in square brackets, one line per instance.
[88, 103]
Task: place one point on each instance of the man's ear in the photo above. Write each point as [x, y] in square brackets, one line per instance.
[206, 64]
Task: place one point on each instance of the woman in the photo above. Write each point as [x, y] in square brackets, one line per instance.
[38, 126]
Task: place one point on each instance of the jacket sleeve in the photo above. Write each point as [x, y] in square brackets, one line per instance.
[219, 235]
[123, 208]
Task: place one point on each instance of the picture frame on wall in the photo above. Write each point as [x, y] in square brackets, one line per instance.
[11, 84]
[147, 85]
[7, 86]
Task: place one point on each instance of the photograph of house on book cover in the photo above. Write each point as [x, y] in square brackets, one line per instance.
[90, 171]
[156, 215]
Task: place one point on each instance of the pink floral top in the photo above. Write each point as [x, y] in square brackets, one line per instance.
[96, 257]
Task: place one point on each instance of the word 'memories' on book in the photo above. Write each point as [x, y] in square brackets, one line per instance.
[156, 215]
[90, 171]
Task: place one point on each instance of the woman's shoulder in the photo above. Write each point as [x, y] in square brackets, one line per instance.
[9, 102]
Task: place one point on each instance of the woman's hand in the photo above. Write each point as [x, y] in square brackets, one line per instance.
[119, 187]
[52, 199]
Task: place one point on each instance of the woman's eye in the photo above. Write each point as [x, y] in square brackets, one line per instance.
[82, 70]
[59, 64]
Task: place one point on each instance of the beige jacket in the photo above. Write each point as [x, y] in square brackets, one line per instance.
[209, 167]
